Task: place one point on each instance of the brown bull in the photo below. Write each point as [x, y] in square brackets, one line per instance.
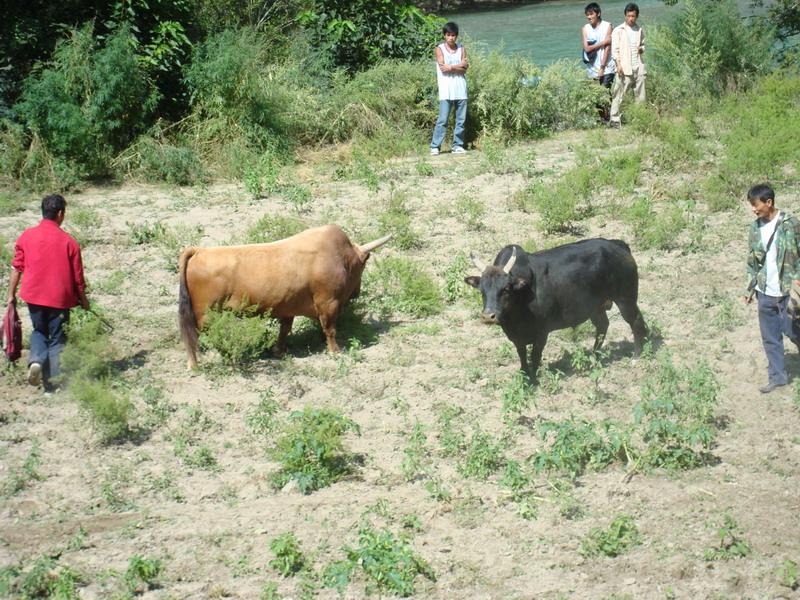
[312, 274]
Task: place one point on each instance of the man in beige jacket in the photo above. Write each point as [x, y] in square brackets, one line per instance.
[627, 45]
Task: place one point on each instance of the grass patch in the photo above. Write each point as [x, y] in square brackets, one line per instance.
[271, 228]
[398, 285]
[730, 542]
[620, 536]
[289, 558]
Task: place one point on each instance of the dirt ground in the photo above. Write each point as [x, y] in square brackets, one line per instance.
[96, 505]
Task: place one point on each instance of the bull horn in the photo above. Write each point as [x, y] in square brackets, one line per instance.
[367, 248]
[479, 264]
[511, 261]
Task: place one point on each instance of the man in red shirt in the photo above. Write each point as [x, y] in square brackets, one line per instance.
[50, 260]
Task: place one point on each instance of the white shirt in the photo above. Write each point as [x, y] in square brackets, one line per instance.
[598, 34]
[773, 285]
[452, 86]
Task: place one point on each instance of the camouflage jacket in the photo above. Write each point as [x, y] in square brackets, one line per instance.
[787, 242]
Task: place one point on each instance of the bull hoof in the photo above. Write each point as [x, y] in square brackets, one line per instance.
[277, 352]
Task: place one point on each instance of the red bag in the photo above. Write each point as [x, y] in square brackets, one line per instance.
[11, 333]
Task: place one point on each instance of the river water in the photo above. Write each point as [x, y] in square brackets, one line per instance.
[551, 30]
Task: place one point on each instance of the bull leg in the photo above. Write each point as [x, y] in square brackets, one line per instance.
[600, 322]
[633, 316]
[522, 352]
[536, 354]
[286, 327]
[328, 321]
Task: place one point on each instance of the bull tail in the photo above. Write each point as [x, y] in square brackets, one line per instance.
[187, 323]
[623, 245]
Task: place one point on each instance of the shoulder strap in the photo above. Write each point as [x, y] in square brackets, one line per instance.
[774, 231]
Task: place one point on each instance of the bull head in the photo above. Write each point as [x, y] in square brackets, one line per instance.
[496, 285]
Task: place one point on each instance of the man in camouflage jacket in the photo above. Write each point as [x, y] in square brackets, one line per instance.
[773, 265]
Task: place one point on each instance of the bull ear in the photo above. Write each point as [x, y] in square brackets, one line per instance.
[520, 283]
[473, 280]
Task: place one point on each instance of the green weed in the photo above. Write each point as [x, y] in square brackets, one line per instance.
[424, 168]
[437, 490]
[388, 560]
[311, 450]
[730, 543]
[580, 445]
[471, 212]
[483, 456]
[416, 455]
[517, 397]
[142, 574]
[155, 159]
[108, 406]
[23, 476]
[451, 429]
[271, 228]
[621, 535]
[789, 575]
[520, 484]
[289, 558]
[187, 443]
[396, 219]
[47, 579]
[397, 285]
[657, 229]
[112, 284]
[172, 240]
[454, 287]
[12, 202]
[146, 233]
[262, 420]
[239, 336]
[298, 197]
[261, 178]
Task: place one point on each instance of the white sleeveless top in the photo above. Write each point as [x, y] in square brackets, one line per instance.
[599, 33]
[452, 86]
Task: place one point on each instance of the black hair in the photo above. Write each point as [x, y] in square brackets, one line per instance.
[52, 205]
[450, 27]
[631, 6]
[761, 191]
[592, 7]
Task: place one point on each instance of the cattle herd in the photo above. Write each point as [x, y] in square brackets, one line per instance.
[315, 273]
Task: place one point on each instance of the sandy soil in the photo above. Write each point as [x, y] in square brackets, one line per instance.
[212, 529]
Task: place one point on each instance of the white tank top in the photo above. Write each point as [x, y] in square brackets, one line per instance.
[452, 86]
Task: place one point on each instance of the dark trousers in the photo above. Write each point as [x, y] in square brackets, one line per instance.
[774, 322]
[47, 339]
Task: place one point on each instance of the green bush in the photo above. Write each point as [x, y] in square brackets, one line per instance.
[659, 229]
[88, 102]
[388, 560]
[108, 407]
[158, 160]
[397, 285]
[271, 228]
[240, 336]
[289, 557]
[311, 450]
[621, 535]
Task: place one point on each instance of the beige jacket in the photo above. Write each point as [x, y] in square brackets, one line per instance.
[621, 49]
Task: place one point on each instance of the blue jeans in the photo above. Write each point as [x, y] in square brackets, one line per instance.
[47, 339]
[441, 122]
[774, 322]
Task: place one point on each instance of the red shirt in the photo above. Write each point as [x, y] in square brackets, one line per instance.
[50, 260]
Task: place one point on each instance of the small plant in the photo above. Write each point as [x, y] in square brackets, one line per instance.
[581, 445]
[240, 336]
[272, 228]
[437, 490]
[298, 196]
[146, 233]
[262, 177]
[262, 420]
[730, 542]
[621, 535]
[518, 396]
[424, 168]
[107, 406]
[398, 285]
[483, 456]
[289, 558]
[174, 239]
[46, 579]
[516, 480]
[789, 575]
[142, 573]
[396, 219]
[416, 455]
[311, 450]
[22, 477]
[451, 429]
[454, 286]
[388, 560]
[471, 212]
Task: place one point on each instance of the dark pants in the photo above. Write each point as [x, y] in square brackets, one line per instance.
[774, 322]
[47, 339]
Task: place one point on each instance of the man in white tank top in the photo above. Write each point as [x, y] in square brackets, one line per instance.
[627, 45]
[451, 69]
[596, 39]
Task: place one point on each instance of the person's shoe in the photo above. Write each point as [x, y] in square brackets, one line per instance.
[35, 374]
[614, 124]
[458, 150]
[434, 152]
[771, 386]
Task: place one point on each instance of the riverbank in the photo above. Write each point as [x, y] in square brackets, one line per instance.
[445, 6]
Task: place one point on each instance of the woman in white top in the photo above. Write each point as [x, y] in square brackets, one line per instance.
[451, 69]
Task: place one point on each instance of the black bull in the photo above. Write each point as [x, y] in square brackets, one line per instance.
[530, 295]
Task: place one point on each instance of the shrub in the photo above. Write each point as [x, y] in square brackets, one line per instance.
[676, 415]
[311, 450]
[289, 557]
[581, 445]
[108, 407]
[397, 285]
[388, 560]
[158, 160]
[565, 98]
[273, 228]
[621, 535]
[240, 336]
